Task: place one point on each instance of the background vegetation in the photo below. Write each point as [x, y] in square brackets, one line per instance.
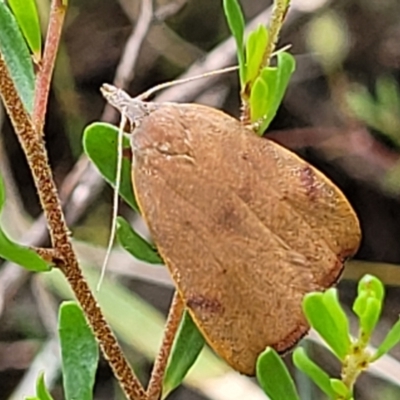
[341, 113]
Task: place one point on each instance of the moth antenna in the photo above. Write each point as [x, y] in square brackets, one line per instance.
[115, 199]
[145, 95]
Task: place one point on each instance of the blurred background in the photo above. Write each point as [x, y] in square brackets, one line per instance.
[341, 113]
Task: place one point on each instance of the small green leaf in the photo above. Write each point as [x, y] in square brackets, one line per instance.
[271, 78]
[320, 319]
[360, 304]
[391, 340]
[340, 389]
[274, 378]
[26, 14]
[372, 285]
[285, 67]
[16, 253]
[255, 48]
[134, 244]
[334, 308]
[235, 19]
[371, 316]
[21, 255]
[16, 55]
[41, 391]
[100, 145]
[313, 371]
[187, 346]
[79, 352]
[258, 100]
[368, 304]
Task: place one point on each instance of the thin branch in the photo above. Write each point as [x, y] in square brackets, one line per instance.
[126, 67]
[43, 79]
[35, 151]
[279, 12]
[171, 327]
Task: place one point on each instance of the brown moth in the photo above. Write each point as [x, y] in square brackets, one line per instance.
[246, 227]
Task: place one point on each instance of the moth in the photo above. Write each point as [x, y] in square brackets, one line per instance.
[245, 226]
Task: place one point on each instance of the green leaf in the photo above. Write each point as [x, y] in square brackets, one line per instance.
[100, 145]
[313, 371]
[79, 352]
[320, 319]
[368, 304]
[336, 311]
[360, 304]
[21, 255]
[26, 14]
[15, 252]
[270, 77]
[371, 315]
[41, 391]
[255, 48]
[187, 346]
[274, 378]
[258, 101]
[371, 285]
[285, 68]
[16, 55]
[391, 340]
[134, 244]
[235, 19]
[340, 389]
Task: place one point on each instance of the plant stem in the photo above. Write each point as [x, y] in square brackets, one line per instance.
[278, 16]
[355, 363]
[279, 11]
[43, 79]
[35, 152]
[171, 327]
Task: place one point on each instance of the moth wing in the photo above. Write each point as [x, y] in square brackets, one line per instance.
[232, 217]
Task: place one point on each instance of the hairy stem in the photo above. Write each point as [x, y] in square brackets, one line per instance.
[43, 79]
[278, 16]
[35, 152]
[171, 327]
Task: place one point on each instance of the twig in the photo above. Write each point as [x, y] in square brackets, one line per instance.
[279, 12]
[171, 327]
[126, 67]
[43, 79]
[165, 11]
[35, 152]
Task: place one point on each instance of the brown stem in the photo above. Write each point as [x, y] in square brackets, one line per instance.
[171, 327]
[43, 79]
[35, 152]
[279, 12]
